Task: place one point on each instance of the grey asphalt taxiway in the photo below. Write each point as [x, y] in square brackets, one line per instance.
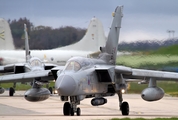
[17, 108]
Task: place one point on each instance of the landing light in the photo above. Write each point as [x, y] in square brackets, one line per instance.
[123, 91]
[55, 91]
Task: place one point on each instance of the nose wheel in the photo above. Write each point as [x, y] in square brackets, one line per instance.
[70, 109]
[125, 108]
[66, 108]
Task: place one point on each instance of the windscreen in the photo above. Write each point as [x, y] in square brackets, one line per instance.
[35, 63]
[73, 66]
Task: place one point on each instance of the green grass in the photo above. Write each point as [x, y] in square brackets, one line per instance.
[20, 86]
[148, 61]
[145, 119]
[170, 50]
[164, 56]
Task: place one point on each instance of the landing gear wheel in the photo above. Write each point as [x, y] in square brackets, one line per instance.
[11, 91]
[51, 90]
[72, 112]
[66, 108]
[78, 111]
[125, 108]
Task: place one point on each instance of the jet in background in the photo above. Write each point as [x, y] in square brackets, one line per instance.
[97, 78]
[6, 41]
[89, 44]
[33, 66]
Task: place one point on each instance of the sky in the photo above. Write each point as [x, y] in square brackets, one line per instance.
[143, 19]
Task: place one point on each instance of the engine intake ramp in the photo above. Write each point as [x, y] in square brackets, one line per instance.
[105, 75]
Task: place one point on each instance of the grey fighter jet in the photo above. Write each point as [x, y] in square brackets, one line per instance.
[85, 78]
[97, 78]
[24, 72]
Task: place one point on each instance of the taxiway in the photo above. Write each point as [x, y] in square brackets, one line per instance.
[17, 108]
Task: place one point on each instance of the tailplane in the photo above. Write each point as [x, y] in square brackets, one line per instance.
[93, 39]
[6, 41]
[109, 52]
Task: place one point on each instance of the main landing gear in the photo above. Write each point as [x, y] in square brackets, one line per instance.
[51, 90]
[12, 90]
[71, 108]
[124, 106]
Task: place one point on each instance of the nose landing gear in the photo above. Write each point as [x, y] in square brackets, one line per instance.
[70, 108]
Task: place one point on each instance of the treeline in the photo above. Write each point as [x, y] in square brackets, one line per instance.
[44, 37]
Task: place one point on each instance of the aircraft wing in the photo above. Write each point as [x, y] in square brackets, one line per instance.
[19, 67]
[143, 74]
[27, 77]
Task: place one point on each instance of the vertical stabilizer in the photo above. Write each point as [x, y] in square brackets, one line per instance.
[6, 41]
[92, 40]
[27, 51]
[109, 52]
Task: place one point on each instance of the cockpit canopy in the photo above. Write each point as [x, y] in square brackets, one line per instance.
[73, 66]
[35, 62]
[77, 63]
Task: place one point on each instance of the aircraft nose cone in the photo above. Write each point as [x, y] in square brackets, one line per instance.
[65, 85]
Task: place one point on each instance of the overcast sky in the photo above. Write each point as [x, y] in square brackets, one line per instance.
[143, 19]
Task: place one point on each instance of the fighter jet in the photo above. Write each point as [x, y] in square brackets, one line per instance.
[97, 78]
[85, 78]
[32, 67]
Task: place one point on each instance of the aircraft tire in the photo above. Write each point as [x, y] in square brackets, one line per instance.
[78, 111]
[51, 90]
[11, 91]
[125, 108]
[72, 112]
[66, 109]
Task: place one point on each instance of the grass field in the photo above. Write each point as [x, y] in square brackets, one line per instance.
[170, 50]
[163, 57]
[20, 86]
[148, 61]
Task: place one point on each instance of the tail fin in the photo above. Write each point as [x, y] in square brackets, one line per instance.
[27, 51]
[93, 39]
[6, 41]
[109, 52]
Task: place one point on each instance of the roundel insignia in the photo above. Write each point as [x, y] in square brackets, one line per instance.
[2, 36]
